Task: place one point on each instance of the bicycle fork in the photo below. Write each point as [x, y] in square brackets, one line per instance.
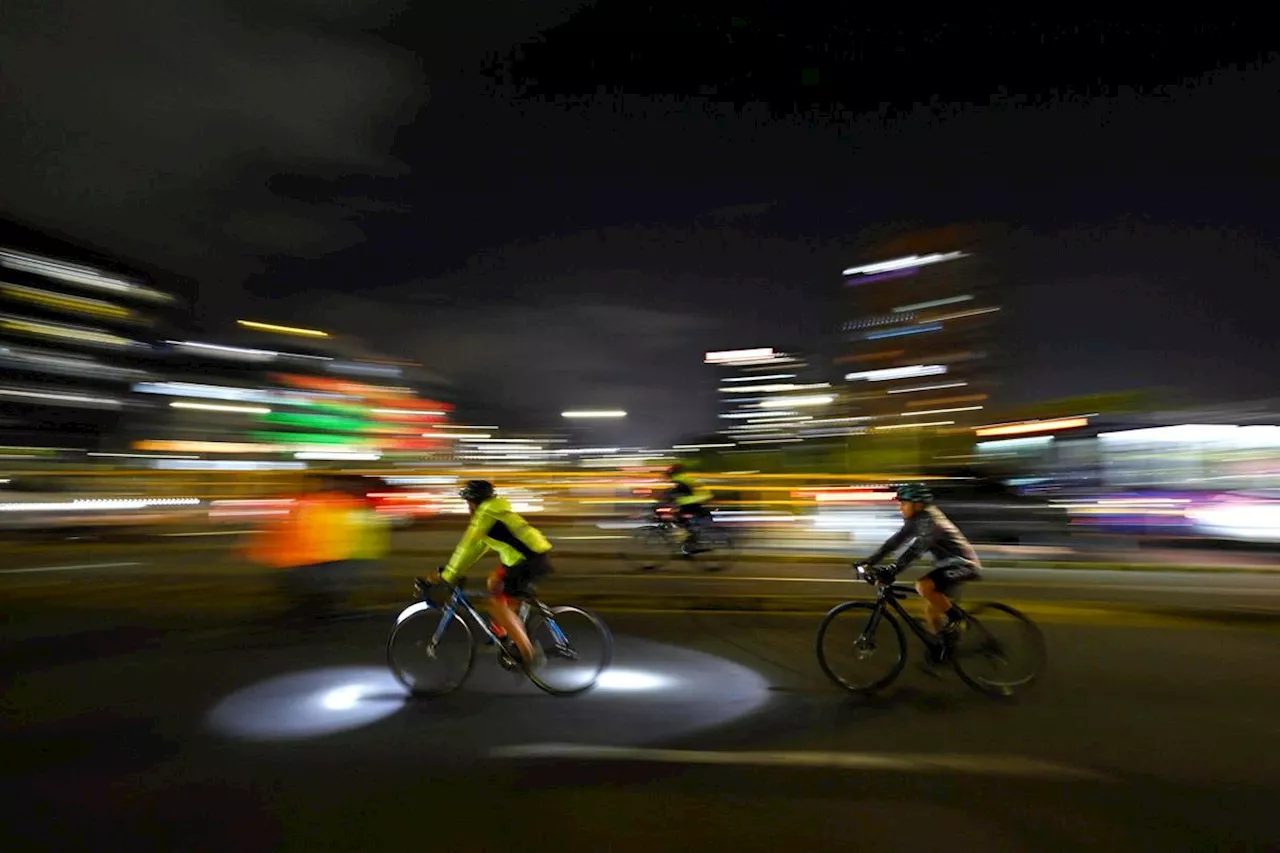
[449, 613]
[866, 644]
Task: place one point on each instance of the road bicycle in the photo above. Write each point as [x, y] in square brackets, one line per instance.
[432, 649]
[994, 648]
[658, 539]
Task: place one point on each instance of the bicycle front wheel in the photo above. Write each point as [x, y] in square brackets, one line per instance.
[649, 548]
[861, 646]
[430, 651]
[720, 548]
[1000, 651]
[577, 645]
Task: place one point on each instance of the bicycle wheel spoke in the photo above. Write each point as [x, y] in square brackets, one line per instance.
[578, 648]
[649, 548]
[859, 648]
[431, 652]
[1000, 652]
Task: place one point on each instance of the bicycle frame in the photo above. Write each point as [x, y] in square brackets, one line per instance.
[891, 595]
[459, 601]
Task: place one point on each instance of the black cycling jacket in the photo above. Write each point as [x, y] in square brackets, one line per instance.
[928, 531]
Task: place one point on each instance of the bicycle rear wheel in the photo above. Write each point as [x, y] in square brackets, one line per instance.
[861, 646]
[578, 647]
[430, 651]
[720, 548]
[649, 548]
[999, 652]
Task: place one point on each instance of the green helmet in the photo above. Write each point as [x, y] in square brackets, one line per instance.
[916, 493]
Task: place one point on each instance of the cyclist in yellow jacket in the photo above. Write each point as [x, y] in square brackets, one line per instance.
[521, 547]
[690, 499]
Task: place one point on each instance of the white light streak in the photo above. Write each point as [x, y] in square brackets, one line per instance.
[937, 387]
[242, 353]
[215, 407]
[337, 455]
[904, 263]
[91, 504]
[82, 399]
[962, 314]
[760, 378]
[426, 413]
[209, 392]
[933, 303]
[915, 425]
[890, 373]
[700, 446]
[760, 354]
[76, 274]
[769, 388]
[785, 402]
[939, 411]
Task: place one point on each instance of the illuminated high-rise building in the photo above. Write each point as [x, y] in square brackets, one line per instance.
[917, 342]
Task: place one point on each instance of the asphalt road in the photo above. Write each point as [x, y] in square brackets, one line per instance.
[773, 541]
[712, 732]
[208, 580]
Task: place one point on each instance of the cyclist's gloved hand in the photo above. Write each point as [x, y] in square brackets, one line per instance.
[863, 571]
[887, 572]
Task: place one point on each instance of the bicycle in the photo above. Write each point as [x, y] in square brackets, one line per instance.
[659, 538]
[439, 633]
[974, 641]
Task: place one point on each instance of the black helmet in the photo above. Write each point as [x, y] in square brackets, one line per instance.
[476, 491]
[916, 493]
[677, 468]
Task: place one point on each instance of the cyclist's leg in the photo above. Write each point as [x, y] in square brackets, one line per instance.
[935, 602]
[499, 608]
[936, 589]
[695, 516]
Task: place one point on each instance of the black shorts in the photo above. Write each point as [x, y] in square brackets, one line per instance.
[947, 578]
[517, 581]
[692, 511]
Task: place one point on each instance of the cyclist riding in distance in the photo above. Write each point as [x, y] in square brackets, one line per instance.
[690, 499]
[521, 548]
[926, 529]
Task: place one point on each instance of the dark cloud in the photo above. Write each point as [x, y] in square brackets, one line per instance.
[155, 128]
[646, 181]
[526, 362]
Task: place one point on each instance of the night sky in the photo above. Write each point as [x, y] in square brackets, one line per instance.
[564, 204]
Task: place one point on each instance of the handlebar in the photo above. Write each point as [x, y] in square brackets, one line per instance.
[863, 572]
[422, 588]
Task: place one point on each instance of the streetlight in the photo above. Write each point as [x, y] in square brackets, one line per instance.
[595, 413]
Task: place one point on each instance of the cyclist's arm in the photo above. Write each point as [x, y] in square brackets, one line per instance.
[926, 537]
[471, 548]
[893, 543]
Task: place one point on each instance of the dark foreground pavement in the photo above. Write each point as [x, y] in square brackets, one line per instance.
[253, 739]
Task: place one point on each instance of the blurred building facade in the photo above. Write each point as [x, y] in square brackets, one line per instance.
[274, 394]
[770, 396]
[917, 344]
[77, 332]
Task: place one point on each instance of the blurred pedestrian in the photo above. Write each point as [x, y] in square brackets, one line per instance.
[309, 545]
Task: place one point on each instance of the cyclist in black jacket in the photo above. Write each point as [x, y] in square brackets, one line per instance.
[927, 529]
